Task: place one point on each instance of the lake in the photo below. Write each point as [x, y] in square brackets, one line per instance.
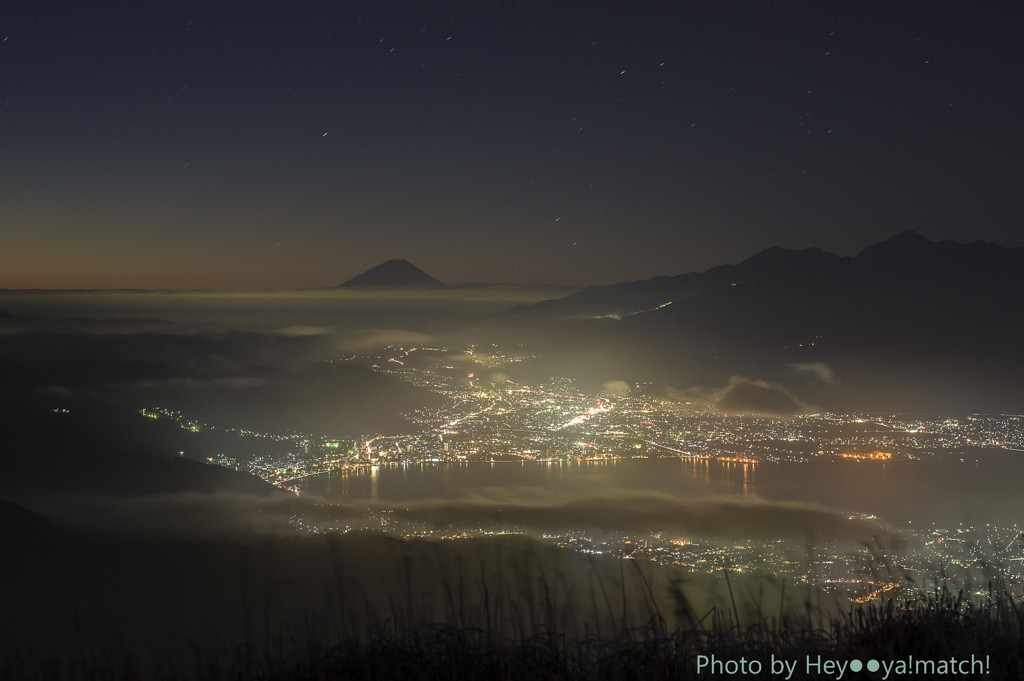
[943, 492]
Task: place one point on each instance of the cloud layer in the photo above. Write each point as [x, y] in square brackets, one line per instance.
[629, 512]
[749, 396]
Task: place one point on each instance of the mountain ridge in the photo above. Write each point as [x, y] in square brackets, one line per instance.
[98, 447]
[907, 283]
[907, 251]
[392, 273]
[907, 324]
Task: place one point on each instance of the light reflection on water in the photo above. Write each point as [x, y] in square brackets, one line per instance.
[898, 491]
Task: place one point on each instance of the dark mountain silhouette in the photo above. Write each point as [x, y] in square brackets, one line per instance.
[905, 287]
[393, 273]
[20, 525]
[907, 322]
[906, 262]
[99, 448]
[628, 298]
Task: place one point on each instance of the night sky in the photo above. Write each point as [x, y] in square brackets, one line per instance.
[256, 145]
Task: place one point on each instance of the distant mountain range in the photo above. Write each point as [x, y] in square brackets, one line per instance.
[392, 273]
[939, 295]
[907, 323]
[907, 262]
[906, 292]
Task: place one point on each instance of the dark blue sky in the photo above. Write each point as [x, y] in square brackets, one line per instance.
[245, 144]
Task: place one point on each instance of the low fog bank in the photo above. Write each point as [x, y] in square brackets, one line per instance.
[232, 516]
[641, 513]
[287, 380]
[267, 310]
[215, 345]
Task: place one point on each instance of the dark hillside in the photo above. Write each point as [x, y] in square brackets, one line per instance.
[911, 323]
[99, 448]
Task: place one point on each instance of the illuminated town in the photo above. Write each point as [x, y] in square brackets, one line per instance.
[489, 418]
[485, 421]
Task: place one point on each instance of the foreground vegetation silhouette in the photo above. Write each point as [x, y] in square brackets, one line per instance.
[933, 627]
[375, 607]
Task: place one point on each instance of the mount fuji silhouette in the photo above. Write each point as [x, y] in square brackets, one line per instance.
[393, 273]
